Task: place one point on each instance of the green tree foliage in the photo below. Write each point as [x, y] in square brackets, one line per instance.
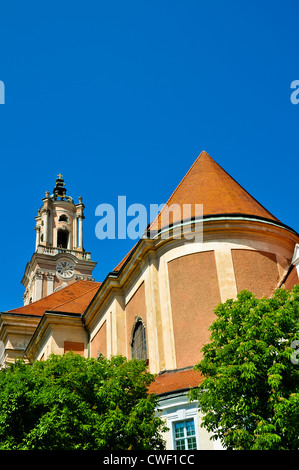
[69, 402]
[249, 395]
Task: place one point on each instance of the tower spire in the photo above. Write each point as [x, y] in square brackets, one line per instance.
[60, 190]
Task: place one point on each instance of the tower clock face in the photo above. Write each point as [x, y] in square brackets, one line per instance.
[65, 269]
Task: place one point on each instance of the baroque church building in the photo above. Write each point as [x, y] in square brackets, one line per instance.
[158, 303]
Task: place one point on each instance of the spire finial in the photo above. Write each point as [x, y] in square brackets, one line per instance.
[60, 190]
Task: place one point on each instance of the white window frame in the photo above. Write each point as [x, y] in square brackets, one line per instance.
[185, 437]
[176, 409]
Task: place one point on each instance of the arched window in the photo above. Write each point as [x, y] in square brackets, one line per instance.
[63, 218]
[138, 343]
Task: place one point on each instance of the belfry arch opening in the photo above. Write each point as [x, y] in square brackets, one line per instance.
[62, 238]
[63, 218]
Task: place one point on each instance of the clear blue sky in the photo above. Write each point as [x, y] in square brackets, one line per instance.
[122, 96]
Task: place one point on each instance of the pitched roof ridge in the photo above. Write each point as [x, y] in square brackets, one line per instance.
[50, 295]
[97, 284]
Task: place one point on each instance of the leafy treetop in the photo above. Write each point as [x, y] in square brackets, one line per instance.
[70, 402]
[249, 395]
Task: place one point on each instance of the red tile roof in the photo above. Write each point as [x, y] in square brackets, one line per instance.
[71, 299]
[170, 381]
[208, 184]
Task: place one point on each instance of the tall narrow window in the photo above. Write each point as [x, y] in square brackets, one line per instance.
[138, 343]
[184, 435]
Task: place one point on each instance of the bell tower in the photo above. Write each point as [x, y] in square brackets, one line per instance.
[59, 258]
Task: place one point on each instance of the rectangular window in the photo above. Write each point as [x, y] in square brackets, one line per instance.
[184, 435]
